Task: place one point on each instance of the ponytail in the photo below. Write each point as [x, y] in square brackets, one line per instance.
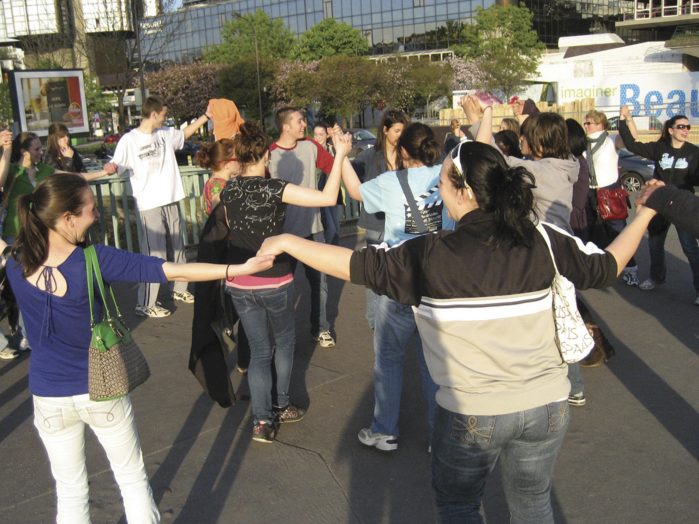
[513, 202]
[39, 211]
[31, 245]
[504, 192]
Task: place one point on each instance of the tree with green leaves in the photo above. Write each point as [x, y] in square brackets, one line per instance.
[345, 85]
[5, 104]
[97, 101]
[185, 88]
[239, 83]
[504, 45]
[295, 84]
[428, 81]
[329, 38]
[274, 39]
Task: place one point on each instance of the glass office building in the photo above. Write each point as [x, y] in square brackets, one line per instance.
[388, 25]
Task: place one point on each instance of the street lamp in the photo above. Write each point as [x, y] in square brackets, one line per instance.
[257, 65]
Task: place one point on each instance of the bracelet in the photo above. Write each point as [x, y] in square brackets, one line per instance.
[227, 268]
[207, 117]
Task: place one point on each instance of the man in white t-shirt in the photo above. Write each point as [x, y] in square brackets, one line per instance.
[148, 153]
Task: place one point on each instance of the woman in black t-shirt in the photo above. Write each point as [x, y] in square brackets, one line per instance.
[254, 209]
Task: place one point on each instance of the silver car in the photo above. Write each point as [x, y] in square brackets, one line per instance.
[634, 170]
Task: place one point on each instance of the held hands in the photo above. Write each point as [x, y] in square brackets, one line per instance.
[109, 168]
[6, 139]
[471, 107]
[272, 246]
[625, 113]
[342, 142]
[254, 265]
[647, 191]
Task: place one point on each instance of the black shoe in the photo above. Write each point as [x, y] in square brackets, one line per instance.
[289, 413]
[263, 432]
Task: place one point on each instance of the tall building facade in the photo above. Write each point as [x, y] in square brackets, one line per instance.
[73, 33]
[388, 25]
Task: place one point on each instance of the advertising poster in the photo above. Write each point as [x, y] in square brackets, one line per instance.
[42, 98]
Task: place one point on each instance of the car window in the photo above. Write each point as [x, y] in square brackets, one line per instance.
[363, 134]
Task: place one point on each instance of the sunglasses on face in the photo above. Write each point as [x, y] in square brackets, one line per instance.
[589, 123]
[683, 126]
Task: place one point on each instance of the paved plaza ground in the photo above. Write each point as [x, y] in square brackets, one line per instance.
[630, 454]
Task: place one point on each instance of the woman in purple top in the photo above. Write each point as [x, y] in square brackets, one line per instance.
[47, 273]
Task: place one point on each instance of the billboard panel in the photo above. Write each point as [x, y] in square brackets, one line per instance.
[43, 97]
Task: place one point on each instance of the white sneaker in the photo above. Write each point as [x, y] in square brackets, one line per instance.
[630, 276]
[183, 296]
[24, 345]
[8, 354]
[156, 311]
[378, 440]
[325, 339]
[647, 285]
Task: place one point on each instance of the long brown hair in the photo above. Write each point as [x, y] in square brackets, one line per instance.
[53, 151]
[39, 211]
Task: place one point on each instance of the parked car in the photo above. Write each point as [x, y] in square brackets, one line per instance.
[634, 170]
[185, 156]
[362, 139]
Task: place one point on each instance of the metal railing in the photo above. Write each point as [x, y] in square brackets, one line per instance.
[118, 222]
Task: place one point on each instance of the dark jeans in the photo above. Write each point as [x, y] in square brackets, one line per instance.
[656, 245]
[319, 292]
[465, 449]
[268, 318]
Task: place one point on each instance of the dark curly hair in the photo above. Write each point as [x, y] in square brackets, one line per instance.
[501, 190]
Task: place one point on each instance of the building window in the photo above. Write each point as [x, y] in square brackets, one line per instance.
[327, 9]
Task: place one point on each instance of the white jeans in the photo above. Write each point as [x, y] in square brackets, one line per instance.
[61, 425]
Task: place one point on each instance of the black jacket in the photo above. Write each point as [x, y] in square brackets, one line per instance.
[207, 357]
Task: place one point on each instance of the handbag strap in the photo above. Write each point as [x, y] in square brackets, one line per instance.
[591, 150]
[547, 239]
[403, 180]
[93, 273]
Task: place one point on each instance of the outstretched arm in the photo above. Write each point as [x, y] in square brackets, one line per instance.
[625, 245]
[200, 272]
[192, 128]
[326, 258]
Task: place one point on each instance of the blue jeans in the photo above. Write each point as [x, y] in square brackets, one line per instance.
[465, 449]
[395, 326]
[319, 292]
[656, 245]
[575, 378]
[372, 238]
[268, 318]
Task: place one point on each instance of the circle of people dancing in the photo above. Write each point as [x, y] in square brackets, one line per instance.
[457, 259]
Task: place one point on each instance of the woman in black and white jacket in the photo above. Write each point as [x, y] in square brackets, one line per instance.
[482, 302]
